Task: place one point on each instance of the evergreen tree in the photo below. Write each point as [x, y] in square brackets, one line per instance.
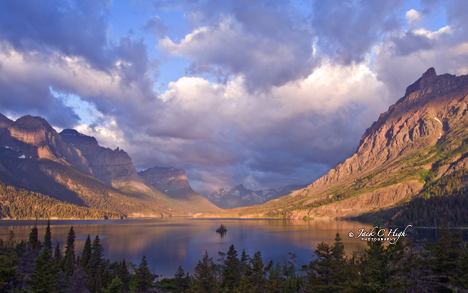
[97, 255]
[232, 270]
[124, 276]
[45, 276]
[48, 237]
[86, 255]
[447, 253]
[34, 238]
[78, 281]
[180, 279]
[116, 286]
[204, 277]
[57, 254]
[8, 263]
[143, 277]
[69, 261]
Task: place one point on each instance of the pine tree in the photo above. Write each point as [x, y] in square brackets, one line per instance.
[69, 261]
[78, 281]
[180, 279]
[204, 277]
[34, 238]
[143, 277]
[232, 271]
[45, 276]
[48, 237]
[124, 276]
[115, 286]
[86, 255]
[447, 252]
[57, 254]
[8, 263]
[97, 254]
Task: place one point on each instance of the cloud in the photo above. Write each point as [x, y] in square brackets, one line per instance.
[401, 59]
[223, 134]
[156, 26]
[346, 30]
[260, 41]
[413, 17]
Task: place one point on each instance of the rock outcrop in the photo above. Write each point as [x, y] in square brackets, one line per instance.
[424, 133]
[174, 183]
[33, 137]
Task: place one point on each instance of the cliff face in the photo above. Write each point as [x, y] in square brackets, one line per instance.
[174, 183]
[113, 167]
[430, 108]
[33, 137]
[424, 132]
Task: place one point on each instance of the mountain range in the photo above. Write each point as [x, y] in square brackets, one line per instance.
[415, 151]
[239, 196]
[69, 175]
[411, 165]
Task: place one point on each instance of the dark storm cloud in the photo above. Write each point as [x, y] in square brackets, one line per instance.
[75, 28]
[34, 99]
[411, 42]
[264, 41]
[347, 29]
[47, 35]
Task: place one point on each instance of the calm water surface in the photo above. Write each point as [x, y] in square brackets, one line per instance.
[170, 242]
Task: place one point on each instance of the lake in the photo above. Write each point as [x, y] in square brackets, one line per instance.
[170, 242]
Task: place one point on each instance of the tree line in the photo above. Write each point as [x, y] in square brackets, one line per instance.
[34, 266]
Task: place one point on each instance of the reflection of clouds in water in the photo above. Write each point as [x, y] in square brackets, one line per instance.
[168, 243]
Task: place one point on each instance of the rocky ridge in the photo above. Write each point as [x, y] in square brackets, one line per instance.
[239, 196]
[424, 132]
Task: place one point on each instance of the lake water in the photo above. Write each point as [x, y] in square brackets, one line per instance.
[170, 242]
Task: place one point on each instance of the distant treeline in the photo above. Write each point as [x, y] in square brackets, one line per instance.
[34, 266]
[17, 203]
[439, 200]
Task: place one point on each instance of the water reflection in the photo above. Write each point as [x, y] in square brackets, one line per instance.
[170, 242]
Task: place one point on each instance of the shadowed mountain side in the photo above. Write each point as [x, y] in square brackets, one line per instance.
[4, 123]
[34, 157]
[420, 139]
[115, 168]
[174, 183]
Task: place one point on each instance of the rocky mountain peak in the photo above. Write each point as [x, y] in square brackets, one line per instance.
[166, 179]
[35, 138]
[73, 137]
[426, 79]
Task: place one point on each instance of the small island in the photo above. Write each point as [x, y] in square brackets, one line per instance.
[222, 229]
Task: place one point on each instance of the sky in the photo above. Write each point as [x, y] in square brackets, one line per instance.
[264, 93]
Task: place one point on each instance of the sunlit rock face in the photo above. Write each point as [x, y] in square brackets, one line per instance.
[33, 137]
[424, 131]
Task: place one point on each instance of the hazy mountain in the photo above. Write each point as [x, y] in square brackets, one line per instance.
[174, 183]
[411, 149]
[239, 196]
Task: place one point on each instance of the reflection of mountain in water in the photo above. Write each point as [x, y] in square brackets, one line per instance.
[168, 243]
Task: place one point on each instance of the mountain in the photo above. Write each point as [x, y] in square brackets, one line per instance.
[239, 196]
[416, 150]
[174, 183]
[40, 165]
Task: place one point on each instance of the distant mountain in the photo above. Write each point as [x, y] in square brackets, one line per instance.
[415, 151]
[174, 183]
[240, 196]
[39, 165]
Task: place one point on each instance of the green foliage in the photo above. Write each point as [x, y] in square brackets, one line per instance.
[143, 277]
